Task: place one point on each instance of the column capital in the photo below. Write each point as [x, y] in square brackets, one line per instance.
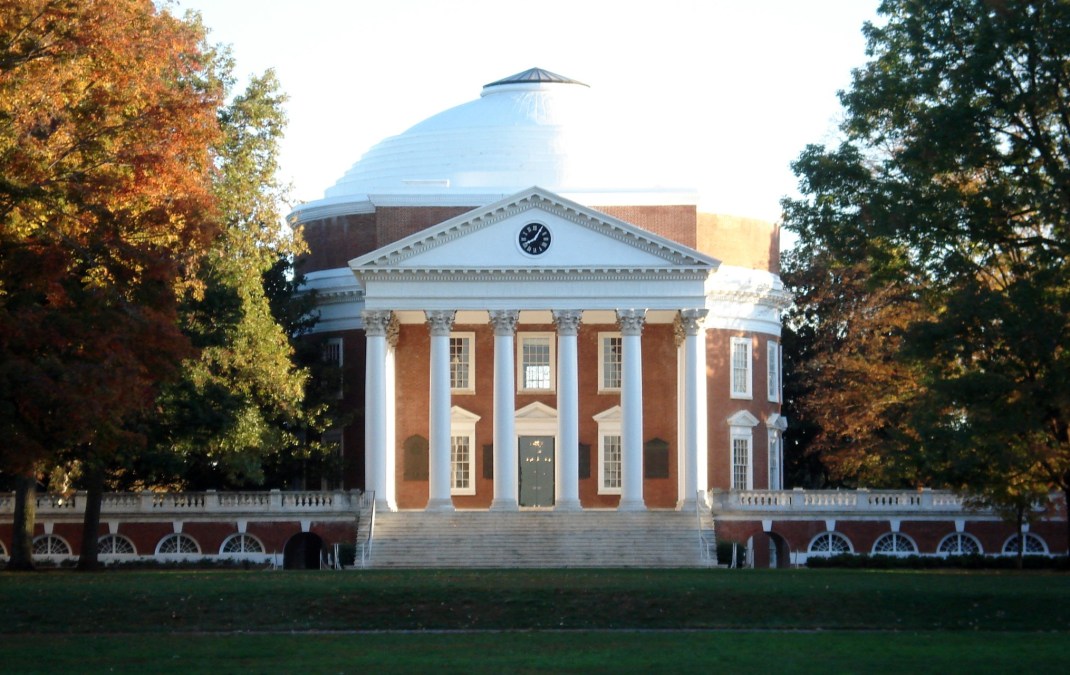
[567, 321]
[440, 321]
[393, 330]
[376, 321]
[692, 319]
[504, 321]
[631, 321]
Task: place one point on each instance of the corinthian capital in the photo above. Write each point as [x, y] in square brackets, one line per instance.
[440, 321]
[692, 319]
[504, 321]
[567, 321]
[631, 321]
[376, 321]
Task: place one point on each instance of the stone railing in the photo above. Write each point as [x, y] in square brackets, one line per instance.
[843, 502]
[207, 504]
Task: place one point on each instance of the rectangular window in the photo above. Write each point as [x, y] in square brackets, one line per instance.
[741, 463]
[774, 460]
[609, 361]
[609, 456]
[536, 362]
[741, 368]
[461, 465]
[332, 358]
[772, 355]
[462, 372]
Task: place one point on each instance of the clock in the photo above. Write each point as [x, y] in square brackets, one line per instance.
[534, 238]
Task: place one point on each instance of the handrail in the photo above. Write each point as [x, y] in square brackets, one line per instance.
[366, 545]
[707, 546]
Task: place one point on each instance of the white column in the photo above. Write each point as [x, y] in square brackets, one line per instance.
[390, 480]
[505, 497]
[631, 404]
[375, 418]
[694, 404]
[440, 323]
[566, 468]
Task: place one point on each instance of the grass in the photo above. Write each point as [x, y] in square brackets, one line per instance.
[534, 621]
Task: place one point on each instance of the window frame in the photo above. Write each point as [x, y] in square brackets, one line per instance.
[242, 537]
[470, 337]
[746, 344]
[775, 460]
[113, 537]
[603, 337]
[830, 535]
[331, 346]
[521, 381]
[772, 370]
[1010, 545]
[958, 538]
[178, 554]
[895, 537]
[609, 426]
[463, 425]
[746, 436]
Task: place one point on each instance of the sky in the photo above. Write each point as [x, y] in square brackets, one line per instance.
[733, 90]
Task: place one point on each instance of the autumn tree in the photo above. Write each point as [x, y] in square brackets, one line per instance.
[107, 120]
[953, 176]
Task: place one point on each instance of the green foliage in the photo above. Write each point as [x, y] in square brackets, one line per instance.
[953, 180]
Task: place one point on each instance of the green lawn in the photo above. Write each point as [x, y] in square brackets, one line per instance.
[545, 620]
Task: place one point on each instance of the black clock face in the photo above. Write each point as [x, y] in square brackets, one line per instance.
[534, 238]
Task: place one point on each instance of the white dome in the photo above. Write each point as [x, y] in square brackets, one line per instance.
[533, 128]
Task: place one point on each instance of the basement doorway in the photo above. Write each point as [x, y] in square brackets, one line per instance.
[303, 551]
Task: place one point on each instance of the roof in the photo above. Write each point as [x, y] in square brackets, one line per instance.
[534, 75]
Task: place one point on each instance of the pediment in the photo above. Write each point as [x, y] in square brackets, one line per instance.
[536, 412]
[742, 418]
[489, 239]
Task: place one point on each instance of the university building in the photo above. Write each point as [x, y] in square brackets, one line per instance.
[552, 357]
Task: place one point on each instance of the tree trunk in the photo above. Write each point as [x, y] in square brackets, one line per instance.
[94, 478]
[1019, 563]
[25, 515]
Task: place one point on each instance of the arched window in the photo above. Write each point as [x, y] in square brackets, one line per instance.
[50, 545]
[1034, 545]
[959, 543]
[115, 544]
[894, 543]
[178, 544]
[830, 544]
[241, 544]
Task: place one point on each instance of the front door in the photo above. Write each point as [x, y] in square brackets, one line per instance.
[536, 471]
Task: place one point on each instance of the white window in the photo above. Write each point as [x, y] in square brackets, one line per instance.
[462, 363]
[610, 453]
[535, 367]
[741, 449]
[741, 368]
[462, 451]
[830, 544]
[241, 544]
[774, 460]
[896, 544]
[50, 545]
[959, 543]
[773, 370]
[332, 357]
[609, 361]
[178, 545]
[1034, 545]
[115, 544]
[741, 453]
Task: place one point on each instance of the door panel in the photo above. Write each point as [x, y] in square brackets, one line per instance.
[536, 471]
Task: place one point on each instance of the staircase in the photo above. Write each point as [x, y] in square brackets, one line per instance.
[589, 538]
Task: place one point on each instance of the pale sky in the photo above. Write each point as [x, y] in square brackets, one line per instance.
[733, 88]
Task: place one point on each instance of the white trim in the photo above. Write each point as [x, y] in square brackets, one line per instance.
[772, 371]
[603, 336]
[609, 424]
[179, 536]
[242, 554]
[741, 434]
[736, 344]
[551, 343]
[463, 425]
[470, 337]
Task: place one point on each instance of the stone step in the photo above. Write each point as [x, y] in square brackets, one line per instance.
[536, 539]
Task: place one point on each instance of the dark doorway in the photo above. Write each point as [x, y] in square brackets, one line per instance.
[303, 551]
[536, 471]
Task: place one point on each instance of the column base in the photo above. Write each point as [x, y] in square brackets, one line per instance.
[500, 504]
[632, 505]
[686, 505]
[439, 505]
[385, 505]
[569, 506]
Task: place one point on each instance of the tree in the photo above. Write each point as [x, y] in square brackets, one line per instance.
[954, 176]
[107, 118]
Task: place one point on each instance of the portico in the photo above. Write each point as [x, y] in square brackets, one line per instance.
[453, 288]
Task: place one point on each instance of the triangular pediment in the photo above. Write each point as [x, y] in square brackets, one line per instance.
[742, 418]
[536, 412]
[493, 238]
